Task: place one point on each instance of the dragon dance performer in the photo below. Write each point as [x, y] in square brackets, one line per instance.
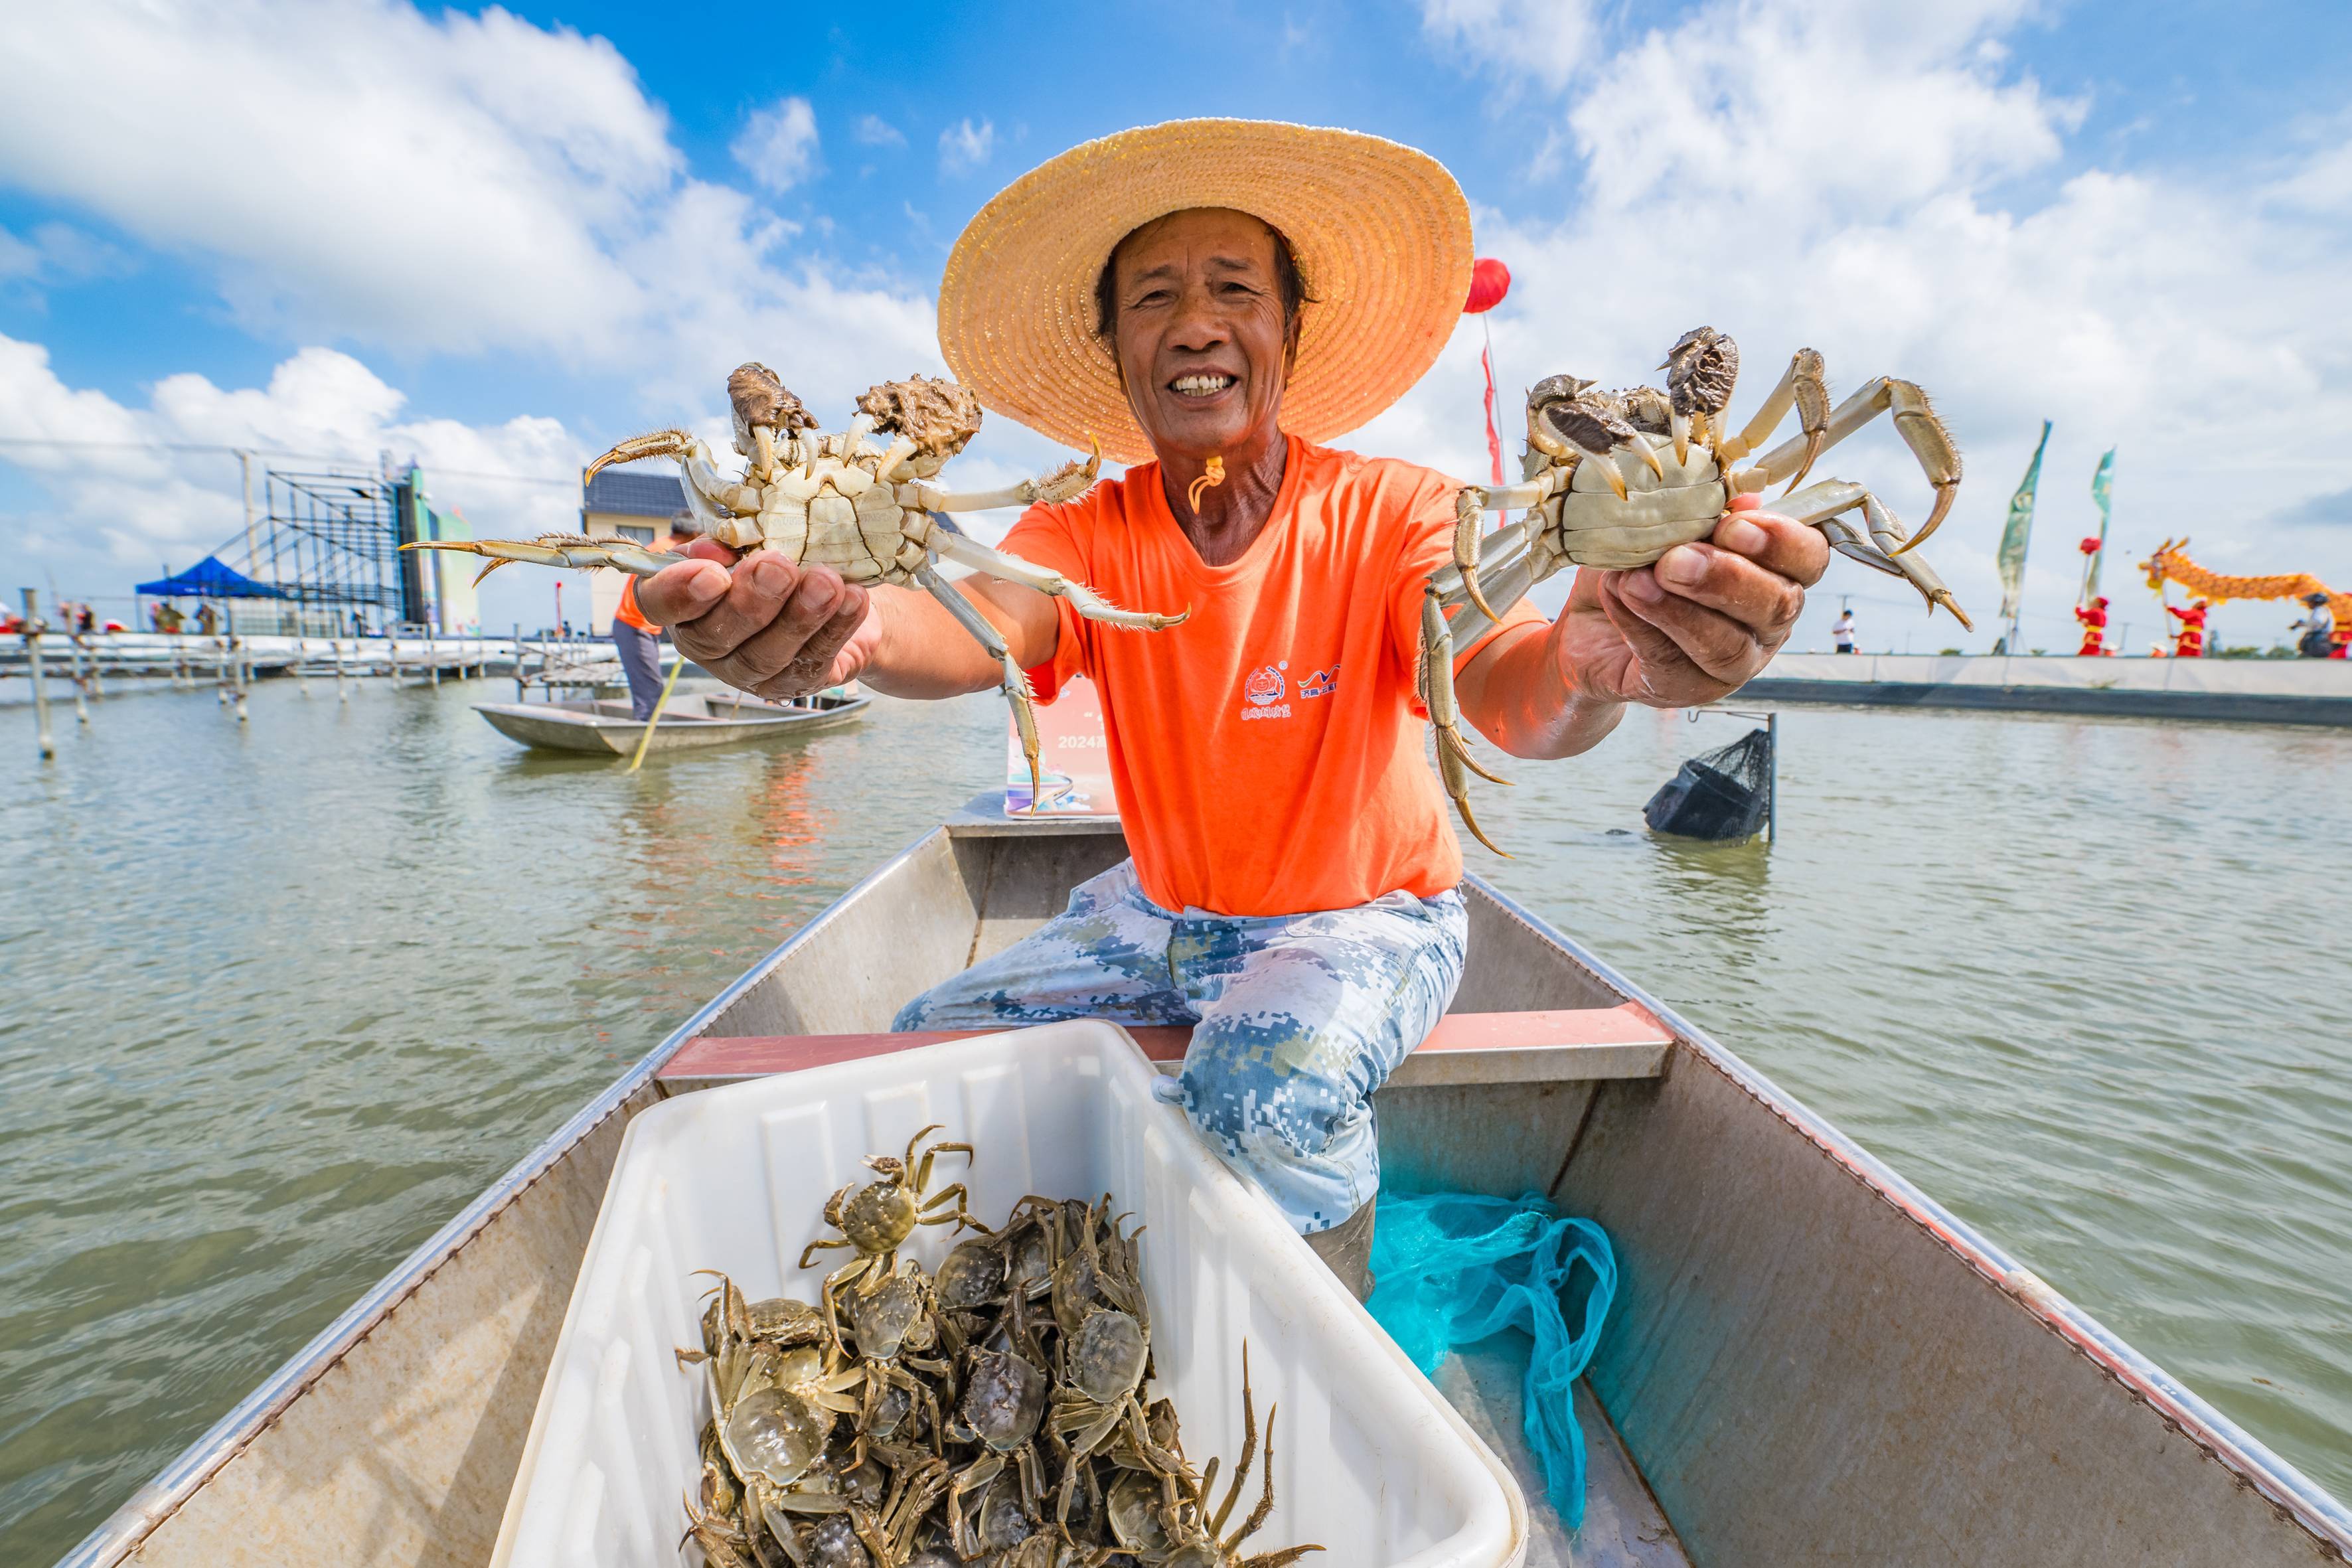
[1214, 299]
[2189, 642]
[2094, 618]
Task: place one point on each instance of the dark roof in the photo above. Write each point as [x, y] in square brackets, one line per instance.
[208, 579]
[636, 495]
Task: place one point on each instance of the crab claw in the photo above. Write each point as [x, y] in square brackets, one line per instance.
[1944, 596]
[1649, 455]
[1616, 480]
[1468, 517]
[637, 448]
[1945, 495]
[1681, 426]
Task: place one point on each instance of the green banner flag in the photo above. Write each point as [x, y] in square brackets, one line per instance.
[2102, 485]
[2020, 526]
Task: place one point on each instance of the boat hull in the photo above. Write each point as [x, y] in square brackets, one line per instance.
[1810, 1361]
[604, 729]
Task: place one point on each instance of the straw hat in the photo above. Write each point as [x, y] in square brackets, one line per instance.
[1380, 230]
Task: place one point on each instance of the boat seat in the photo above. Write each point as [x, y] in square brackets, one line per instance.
[1558, 1046]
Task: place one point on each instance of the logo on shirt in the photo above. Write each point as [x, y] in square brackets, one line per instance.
[1264, 691]
[1322, 683]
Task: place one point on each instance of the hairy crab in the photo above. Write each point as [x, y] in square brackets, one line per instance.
[870, 512]
[877, 1218]
[1615, 479]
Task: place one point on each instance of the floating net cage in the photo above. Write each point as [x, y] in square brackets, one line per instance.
[1725, 793]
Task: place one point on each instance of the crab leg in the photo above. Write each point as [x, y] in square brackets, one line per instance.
[1824, 506]
[1015, 685]
[1804, 386]
[1454, 762]
[1067, 482]
[1511, 540]
[1915, 421]
[1505, 581]
[721, 493]
[951, 544]
[1472, 499]
[569, 550]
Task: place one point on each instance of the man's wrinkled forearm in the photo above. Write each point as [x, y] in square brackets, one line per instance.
[1519, 694]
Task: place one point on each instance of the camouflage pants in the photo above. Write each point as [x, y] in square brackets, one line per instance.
[1296, 1018]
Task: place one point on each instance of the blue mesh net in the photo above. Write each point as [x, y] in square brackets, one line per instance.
[1450, 1269]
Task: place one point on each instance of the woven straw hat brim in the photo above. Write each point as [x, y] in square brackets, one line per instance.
[1381, 231]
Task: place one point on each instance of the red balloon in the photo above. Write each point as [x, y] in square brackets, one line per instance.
[1489, 281]
[2089, 547]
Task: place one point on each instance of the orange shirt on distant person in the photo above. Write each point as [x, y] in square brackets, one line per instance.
[629, 615]
[1269, 753]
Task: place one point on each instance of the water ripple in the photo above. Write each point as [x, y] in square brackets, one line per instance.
[275, 1001]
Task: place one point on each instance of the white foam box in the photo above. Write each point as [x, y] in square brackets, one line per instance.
[1369, 1459]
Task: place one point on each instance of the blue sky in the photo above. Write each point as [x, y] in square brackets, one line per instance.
[500, 240]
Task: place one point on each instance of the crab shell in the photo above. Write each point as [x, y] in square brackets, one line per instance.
[1003, 1399]
[1106, 1356]
[774, 1434]
[881, 1316]
[879, 1215]
[972, 1275]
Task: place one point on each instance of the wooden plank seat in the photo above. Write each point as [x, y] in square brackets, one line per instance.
[1560, 1045]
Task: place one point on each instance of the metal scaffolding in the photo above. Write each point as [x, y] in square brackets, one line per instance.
[329, 541]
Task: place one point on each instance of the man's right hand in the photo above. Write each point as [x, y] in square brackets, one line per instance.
[766, 625]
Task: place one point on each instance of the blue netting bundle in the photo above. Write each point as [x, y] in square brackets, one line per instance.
[1450, 1269]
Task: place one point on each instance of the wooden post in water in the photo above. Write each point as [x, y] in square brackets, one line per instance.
[517, 646]
[301, 676]
[392, 659]
[342, 693]
[73, 651]
[241, 655]
[33, 659]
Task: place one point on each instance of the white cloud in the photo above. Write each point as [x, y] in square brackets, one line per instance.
[964, 146]
[505, 188]
[1874, 216]
[1541, 42]
[777, 145]
[121, 503]
[873, 131]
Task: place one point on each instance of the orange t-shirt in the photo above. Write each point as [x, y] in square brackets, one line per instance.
[1267, 752]
[629, 615]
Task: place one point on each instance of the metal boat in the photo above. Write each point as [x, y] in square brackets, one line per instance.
[1810, 1361]
[690, 722]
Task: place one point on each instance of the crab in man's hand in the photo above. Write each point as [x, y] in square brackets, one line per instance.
[870, 512]
[1615, 479]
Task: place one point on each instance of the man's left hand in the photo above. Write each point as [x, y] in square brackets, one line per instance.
[1701, 621]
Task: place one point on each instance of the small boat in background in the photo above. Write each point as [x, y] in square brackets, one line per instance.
[692, 719]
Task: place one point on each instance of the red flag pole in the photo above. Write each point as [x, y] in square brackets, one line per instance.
[1489, 281]
[1494, 432]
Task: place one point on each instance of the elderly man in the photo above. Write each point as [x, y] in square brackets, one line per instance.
[1251, 290]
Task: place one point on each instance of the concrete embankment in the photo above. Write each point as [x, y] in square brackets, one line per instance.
[2247, 690]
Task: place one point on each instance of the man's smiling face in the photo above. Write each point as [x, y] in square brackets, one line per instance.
[1201, 331]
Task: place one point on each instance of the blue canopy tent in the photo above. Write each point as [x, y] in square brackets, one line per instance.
[208, 579]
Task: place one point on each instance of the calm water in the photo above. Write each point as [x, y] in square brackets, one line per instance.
[275, 1001]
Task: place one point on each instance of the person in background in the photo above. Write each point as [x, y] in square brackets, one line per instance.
[2094, 618]
[207, 619]
[637, 639]
[1841, 632]
[2189, 641]
[2317, 628]
[168, 619]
